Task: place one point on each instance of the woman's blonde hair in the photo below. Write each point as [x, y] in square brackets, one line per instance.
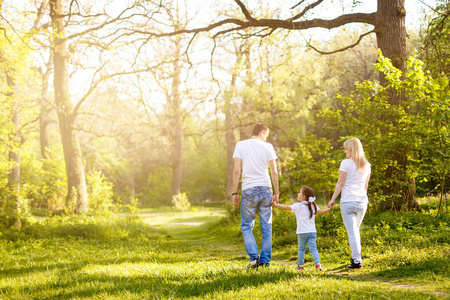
[357, 153]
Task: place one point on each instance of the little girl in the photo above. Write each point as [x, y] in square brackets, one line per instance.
[305, 212]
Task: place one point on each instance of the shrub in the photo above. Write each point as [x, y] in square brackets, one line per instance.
[100, 193]
[181, 202]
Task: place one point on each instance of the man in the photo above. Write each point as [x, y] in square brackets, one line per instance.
[254, 155]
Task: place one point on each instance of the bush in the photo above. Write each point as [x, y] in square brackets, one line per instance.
[181, 202]
[100, 193]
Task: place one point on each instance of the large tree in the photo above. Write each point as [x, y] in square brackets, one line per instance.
[388, 23]
[76, 177]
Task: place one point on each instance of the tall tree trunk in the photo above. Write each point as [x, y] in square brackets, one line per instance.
[44, 111]
[391, 39]
[14, 157]
[245, 111]
[12, 204]
[175, 108]
[229, 135]
[76, 180]
[273, 113]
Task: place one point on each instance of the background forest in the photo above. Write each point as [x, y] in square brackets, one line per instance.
[102, 104]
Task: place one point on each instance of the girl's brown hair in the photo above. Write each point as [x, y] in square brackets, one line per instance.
[309, 192]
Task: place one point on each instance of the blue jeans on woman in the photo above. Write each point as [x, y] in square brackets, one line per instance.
[259, 199]
[309, 238]
[352, 215]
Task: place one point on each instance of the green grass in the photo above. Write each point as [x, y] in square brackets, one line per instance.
[405, 257]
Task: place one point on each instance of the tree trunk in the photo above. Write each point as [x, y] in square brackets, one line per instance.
[246, 112]
[391, 39]
[44, 118]
[76, 180]
[229, 135]
[176, 118]
[13, 202]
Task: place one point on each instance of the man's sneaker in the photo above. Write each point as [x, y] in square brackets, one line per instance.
[300, 268]
[254, 263]
[353, 266]
[319, 267]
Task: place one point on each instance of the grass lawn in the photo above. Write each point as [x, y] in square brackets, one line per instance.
[199, 254]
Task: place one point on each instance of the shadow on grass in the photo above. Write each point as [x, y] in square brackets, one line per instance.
[437, 265]
[176, 285]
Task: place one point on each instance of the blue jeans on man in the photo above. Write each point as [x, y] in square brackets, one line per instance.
[259, 199]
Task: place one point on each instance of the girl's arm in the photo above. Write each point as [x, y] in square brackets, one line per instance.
[323, 210]
[281, 206]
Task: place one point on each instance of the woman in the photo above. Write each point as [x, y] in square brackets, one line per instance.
[354, 174]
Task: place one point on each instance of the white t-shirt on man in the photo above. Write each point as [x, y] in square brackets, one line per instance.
[354, 188]
[255, 155]
[304, 223]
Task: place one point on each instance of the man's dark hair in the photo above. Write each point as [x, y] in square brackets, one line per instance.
[260, 127]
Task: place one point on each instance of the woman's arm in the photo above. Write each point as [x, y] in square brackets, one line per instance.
[367, 182]
[338, 188]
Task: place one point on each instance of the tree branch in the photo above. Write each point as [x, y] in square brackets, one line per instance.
[342, 49]
[305, 10]
[273, 24]
[245, 11]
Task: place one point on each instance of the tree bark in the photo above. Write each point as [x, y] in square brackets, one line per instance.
[44, 118]
[229, 134]
[12, 205]
[176, 119]
[14, 157]
[245, 110]
[391, 39]
[76, 180]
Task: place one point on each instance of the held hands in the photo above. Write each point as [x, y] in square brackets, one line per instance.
[275, 198]
[236, 200]
[331, 204]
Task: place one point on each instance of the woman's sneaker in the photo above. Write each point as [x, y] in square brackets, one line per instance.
[300, 268]
[353, 266]
[319, 267]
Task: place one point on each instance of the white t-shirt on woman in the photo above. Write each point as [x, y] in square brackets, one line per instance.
[354, 189]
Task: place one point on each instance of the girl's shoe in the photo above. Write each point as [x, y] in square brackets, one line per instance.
[300, 268]
[319, 267]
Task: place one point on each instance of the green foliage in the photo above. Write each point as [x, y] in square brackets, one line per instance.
[181, 201]
[313, 165]
[158, 185]
[100, 193]
[44, 180]
[204, 169]
[436, 49]
[416, 127]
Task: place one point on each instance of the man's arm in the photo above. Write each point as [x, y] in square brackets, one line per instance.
[236, 176]
[274, 175]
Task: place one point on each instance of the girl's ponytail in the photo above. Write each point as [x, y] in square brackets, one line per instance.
[310, 195]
